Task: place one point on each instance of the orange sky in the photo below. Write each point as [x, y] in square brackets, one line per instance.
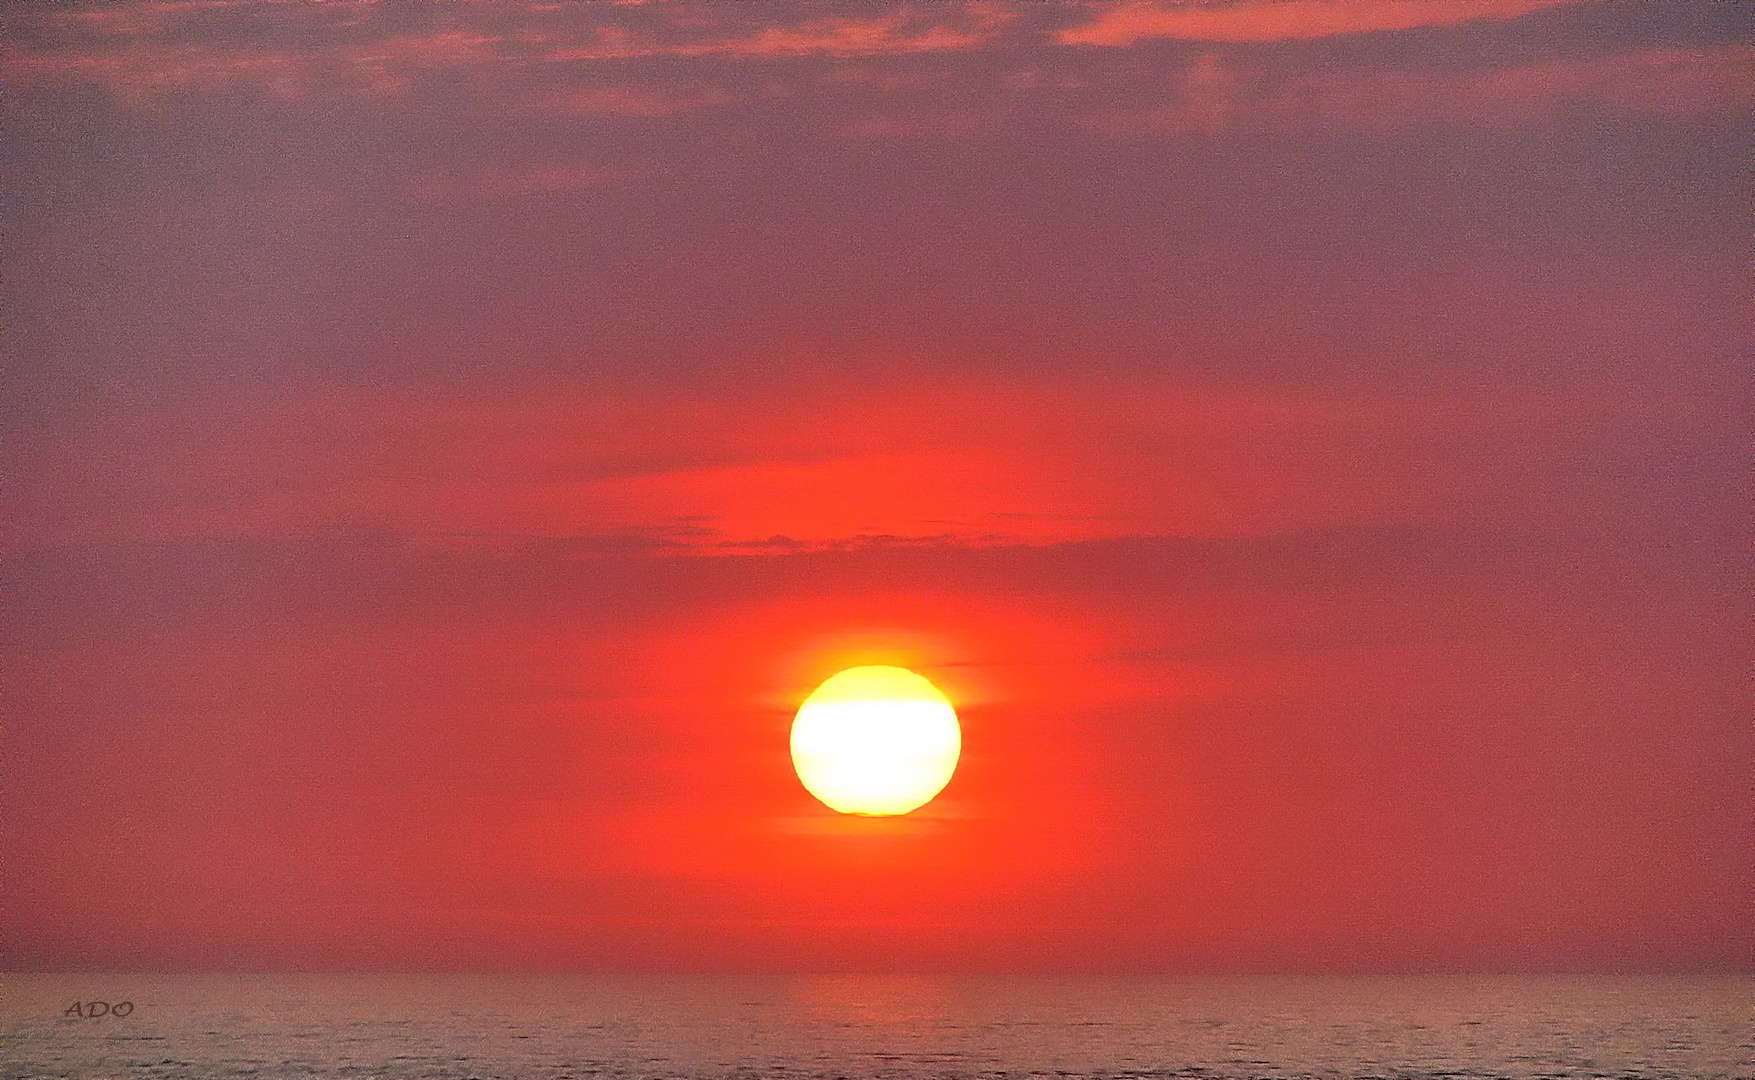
[1305, 438]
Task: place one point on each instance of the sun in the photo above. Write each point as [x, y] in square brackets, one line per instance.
[876, 740]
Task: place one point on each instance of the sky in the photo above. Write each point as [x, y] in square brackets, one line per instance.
[445, 441]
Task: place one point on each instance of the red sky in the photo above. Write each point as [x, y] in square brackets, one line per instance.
[1306, 437]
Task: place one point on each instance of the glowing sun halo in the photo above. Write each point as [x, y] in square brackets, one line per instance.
[876, 740]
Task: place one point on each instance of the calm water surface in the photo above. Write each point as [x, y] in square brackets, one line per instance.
[551, 1027]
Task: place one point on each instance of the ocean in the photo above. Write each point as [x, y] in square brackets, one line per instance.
[550, 1027]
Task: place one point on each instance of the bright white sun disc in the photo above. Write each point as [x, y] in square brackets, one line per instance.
[876, 740]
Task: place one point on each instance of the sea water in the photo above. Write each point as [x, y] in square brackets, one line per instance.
[548, 1027]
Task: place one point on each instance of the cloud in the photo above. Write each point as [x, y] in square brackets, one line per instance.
[627, 100]
[143, 50]
[1126, 23]
[964, 461]
[647, 63]
[1215, 94]
[553, 178]
[897, 33]
[140, 69]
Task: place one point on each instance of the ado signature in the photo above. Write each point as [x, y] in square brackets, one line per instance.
[90, 1010]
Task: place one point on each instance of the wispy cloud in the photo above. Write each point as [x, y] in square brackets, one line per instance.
[140, 69]
[145, 49]
[647, 62]
[627, 100]
[1215, 94]
[895, 33]
[1125, 23]
[553, 178]
[966, 462]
